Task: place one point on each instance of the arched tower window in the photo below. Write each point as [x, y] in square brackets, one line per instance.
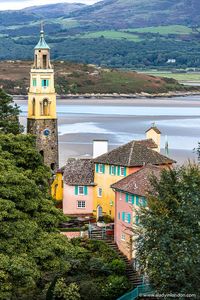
[45, 107]
[33, 107]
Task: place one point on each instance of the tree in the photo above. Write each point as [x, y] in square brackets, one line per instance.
[169, 244]
[9, 115]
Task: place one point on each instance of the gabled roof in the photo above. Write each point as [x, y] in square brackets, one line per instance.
[138, 183]
[134, 154]
[42, 43]
[79, 171]
[155, 129]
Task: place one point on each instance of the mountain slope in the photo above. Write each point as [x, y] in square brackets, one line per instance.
[54, 10]
[140, 13]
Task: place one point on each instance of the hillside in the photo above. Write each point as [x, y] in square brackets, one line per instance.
[115, 33]
[83, 79]
[117, 14]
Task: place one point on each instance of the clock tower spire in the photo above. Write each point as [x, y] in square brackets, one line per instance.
[42, 119]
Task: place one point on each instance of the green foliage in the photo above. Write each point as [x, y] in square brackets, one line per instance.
[169, 243]
[114, 287]
[64, 292]
[9, 115]
[118, 266]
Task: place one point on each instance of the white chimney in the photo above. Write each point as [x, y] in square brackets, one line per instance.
[99, 147]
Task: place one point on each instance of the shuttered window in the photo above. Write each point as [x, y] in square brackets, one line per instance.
[34, 82]
[45, 82]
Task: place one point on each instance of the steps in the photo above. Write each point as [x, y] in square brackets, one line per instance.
[134, 278]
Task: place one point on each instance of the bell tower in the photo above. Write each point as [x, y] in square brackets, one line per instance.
[42, 119]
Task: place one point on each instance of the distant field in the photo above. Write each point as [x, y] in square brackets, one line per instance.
[111, 34]
[192, 77]
[172, 29]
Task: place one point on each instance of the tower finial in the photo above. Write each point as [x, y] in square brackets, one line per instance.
[42, 26]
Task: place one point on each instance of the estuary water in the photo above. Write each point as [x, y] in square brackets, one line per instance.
[120, 121]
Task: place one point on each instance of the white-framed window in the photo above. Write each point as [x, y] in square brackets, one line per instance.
[122, 171]
[127, 218]
[100, 192]
[80, 204]
[123, 236]
[80, 190]
[129, 199]
[112, 170]
[100, 168]
[120, 196]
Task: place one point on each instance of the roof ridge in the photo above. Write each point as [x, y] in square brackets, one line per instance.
[131, 152]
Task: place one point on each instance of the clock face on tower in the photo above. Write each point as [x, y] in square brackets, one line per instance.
[46, 132]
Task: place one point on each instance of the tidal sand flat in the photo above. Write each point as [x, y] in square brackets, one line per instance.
[121, 120]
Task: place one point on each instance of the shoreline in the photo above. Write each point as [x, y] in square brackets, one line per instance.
[116, 96]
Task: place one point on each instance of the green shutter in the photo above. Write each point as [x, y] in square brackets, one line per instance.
[144, 202]
[123, 216]
[119, 215]
[47, 82]
[129, 218]
[110, 170]
[137, 200]
[76, 190]
[85, 190]
[125, 172]
[97, 168]
[127, 197]
[103, 169]
[118, 171]
[132, 198]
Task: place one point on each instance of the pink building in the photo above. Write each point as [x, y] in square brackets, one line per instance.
[130, 195]
[78, 184]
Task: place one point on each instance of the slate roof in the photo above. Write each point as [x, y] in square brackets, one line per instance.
[134, 154]
[138, 183]
[79, 171]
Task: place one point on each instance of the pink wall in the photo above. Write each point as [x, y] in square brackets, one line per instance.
[70, 201]
[121, 226]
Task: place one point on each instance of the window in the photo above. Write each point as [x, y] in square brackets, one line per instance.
[81, 204]
[44, 61]
[123, 237]
[45, 83]
[126, 217]
[122, 171]
[34, 82]
[112, 170]
[81, 190]
[130, 199]
[101, 167]
[100, 192]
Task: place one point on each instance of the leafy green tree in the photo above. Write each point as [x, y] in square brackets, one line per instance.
[9, 115]
[169, 244]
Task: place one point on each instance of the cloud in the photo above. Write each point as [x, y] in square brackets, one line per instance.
[19, 4]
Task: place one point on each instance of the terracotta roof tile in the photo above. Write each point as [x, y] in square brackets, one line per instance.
[79, 171]
[134, 154]
[138, 183]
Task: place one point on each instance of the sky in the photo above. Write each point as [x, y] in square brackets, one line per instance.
[18, 4]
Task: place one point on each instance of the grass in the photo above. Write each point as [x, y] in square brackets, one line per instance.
[163, 30]
[111, 34]
[195, 77]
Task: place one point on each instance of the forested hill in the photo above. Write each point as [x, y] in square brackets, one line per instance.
[140, 13]
[73, 78]
[113, 33]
